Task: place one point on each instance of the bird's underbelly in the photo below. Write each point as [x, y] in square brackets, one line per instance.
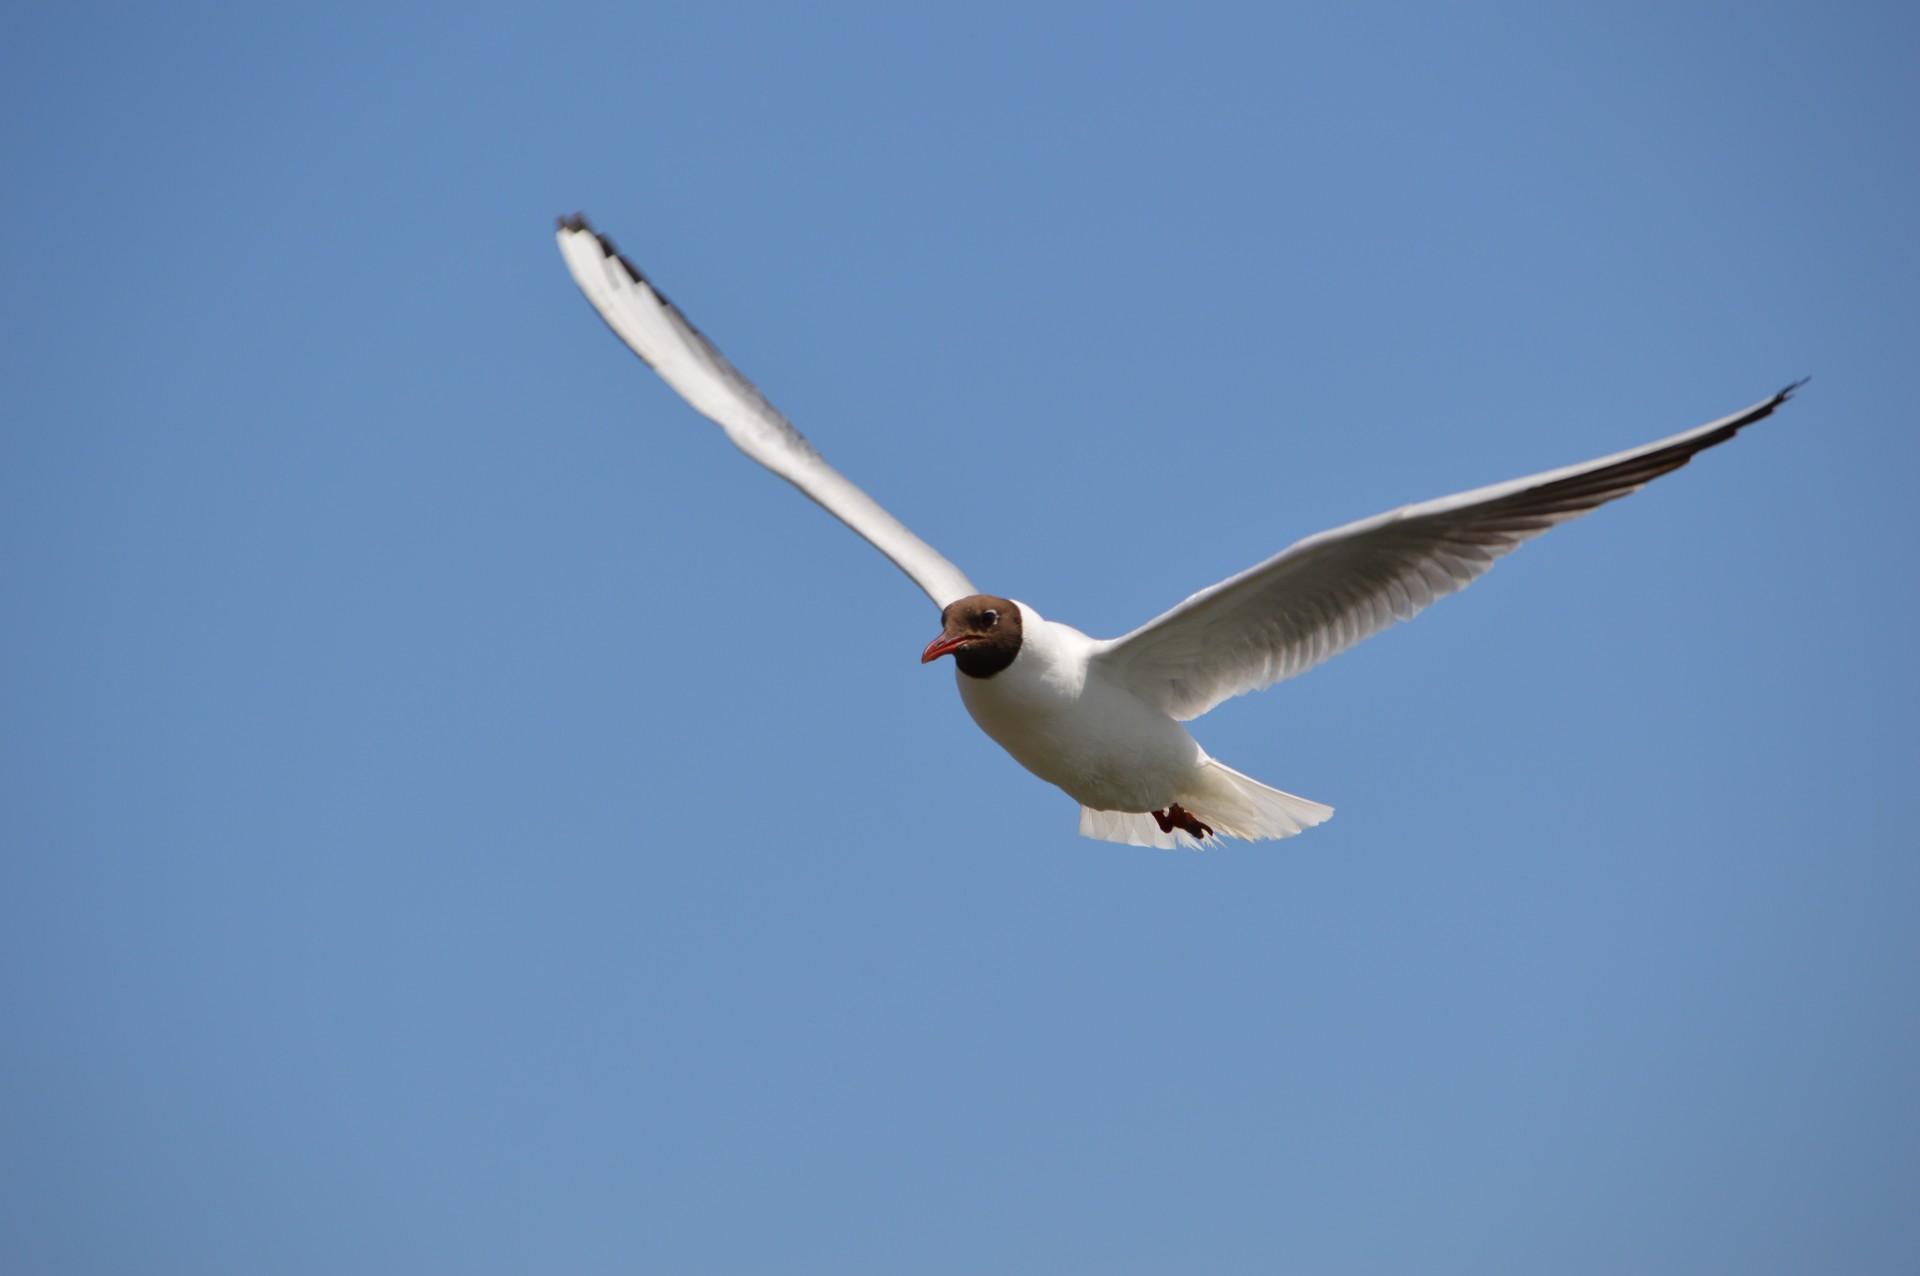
[1104, 747]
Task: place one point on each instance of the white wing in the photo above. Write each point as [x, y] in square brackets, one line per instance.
[687, 361]
[1311, 602]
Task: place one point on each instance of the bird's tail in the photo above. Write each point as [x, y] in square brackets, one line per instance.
[1229, 803]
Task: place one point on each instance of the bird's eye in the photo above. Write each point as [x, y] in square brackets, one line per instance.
[991, 617]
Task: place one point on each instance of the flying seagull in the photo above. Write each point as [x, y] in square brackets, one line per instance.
[1100, 717]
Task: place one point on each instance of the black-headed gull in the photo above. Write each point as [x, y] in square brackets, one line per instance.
[1100, 717]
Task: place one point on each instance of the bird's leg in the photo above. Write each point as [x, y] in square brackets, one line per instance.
[1179, 817]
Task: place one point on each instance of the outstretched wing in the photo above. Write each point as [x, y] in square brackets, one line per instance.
[1314, 600]
[656, 331]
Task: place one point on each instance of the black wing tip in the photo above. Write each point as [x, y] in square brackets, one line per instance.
[1758, 412]
[577, 223]
[1764, 410]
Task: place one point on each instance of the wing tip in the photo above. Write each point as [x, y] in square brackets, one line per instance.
[1720, 431]
[577, 224]
[1759, 412]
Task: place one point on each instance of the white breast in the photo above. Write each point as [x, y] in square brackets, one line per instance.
[1091, 736]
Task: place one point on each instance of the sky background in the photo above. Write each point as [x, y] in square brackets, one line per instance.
[458, 815]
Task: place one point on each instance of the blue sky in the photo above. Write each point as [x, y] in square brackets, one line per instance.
[459, 815]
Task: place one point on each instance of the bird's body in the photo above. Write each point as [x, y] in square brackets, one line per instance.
[1101, 718]
[1063, 719]
[1064, 715]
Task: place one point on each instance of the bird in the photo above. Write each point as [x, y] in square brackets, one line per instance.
[1101, 718]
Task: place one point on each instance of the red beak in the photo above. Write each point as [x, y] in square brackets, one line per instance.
[941, 646]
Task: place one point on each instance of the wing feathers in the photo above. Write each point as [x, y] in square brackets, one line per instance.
[653, 328]
[1314, 600]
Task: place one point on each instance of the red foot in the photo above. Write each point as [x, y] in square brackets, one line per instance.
[1179, 817]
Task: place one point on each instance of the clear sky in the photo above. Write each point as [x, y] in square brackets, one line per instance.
[458, 815]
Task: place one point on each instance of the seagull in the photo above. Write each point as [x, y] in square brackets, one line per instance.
[1100, 718]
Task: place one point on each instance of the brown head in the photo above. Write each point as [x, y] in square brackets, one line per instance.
[982, 633]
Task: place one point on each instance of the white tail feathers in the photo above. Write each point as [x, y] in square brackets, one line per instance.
[1229, 803]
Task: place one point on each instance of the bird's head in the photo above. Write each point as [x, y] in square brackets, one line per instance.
[981, 632]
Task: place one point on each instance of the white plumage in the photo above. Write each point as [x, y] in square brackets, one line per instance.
[1100, 718]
